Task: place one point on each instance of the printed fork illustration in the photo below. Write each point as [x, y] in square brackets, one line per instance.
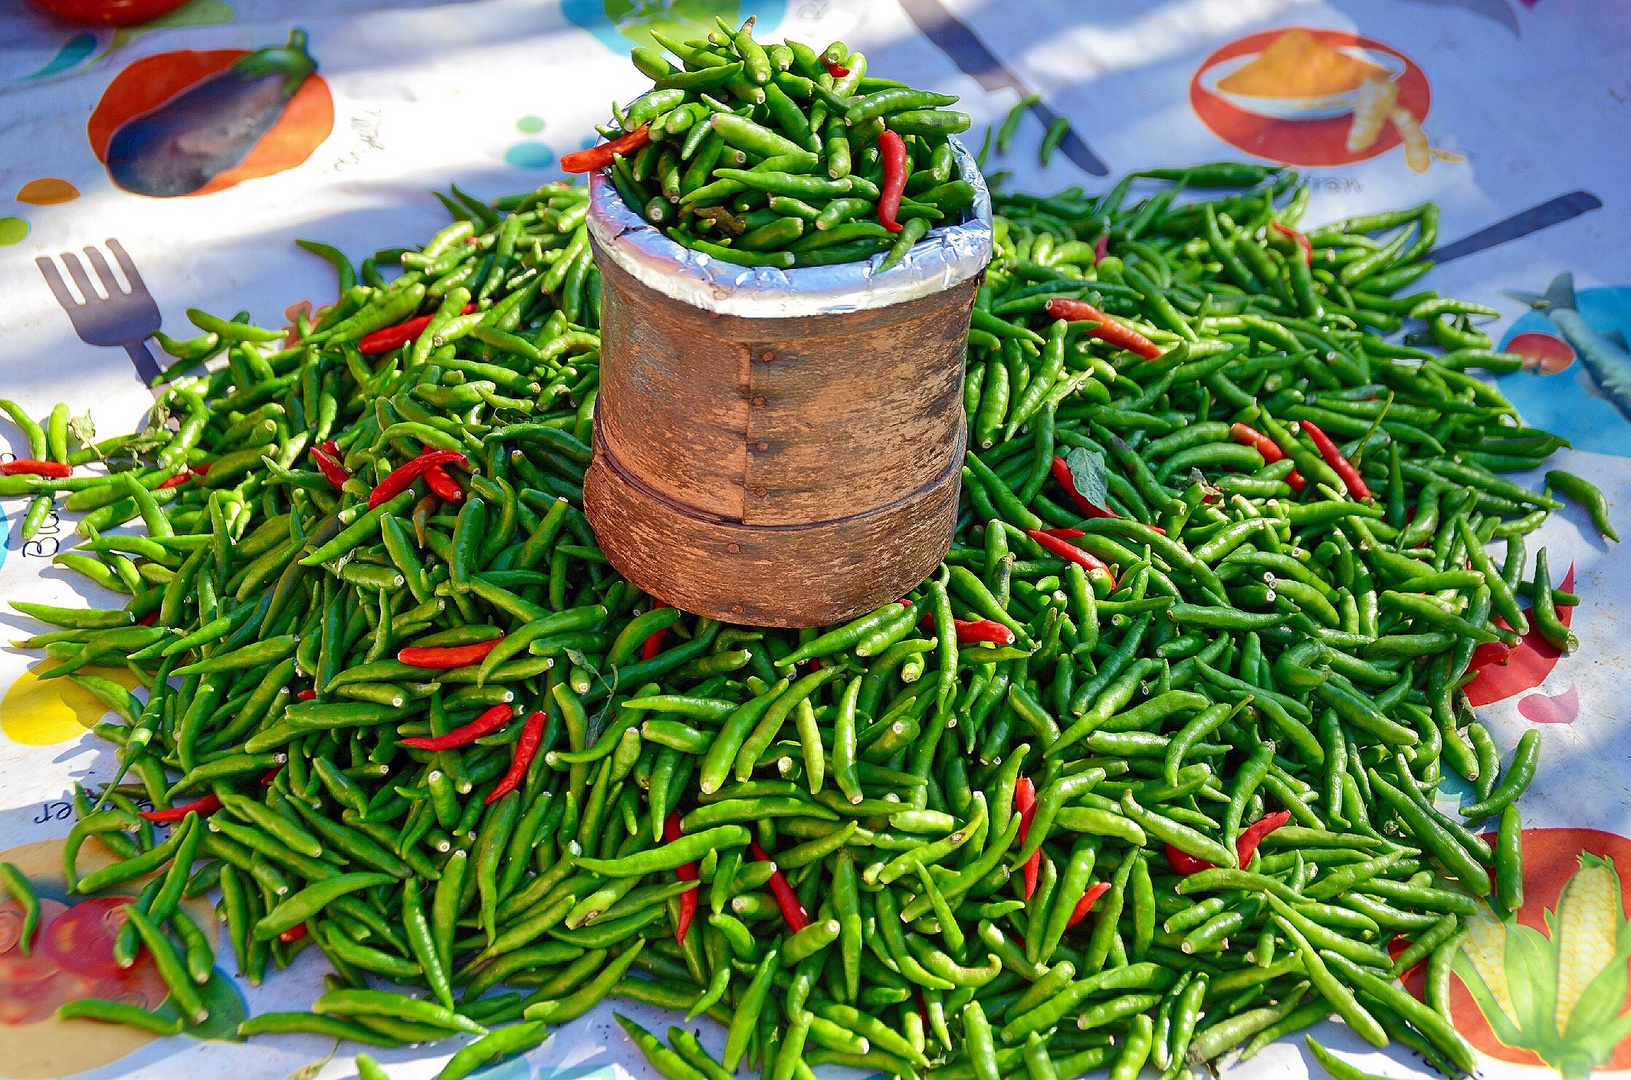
[125, 319]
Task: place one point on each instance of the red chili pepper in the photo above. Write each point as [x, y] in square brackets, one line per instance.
[447, 656]
[1181, 861]
[330, 467]
[271, 774]
[1087, 508]
[973, 631]
[149, 619]
[1298, 238]
[1252, 835]
[1101, 248]
[406, 473]
[305, 695]
[1492, 652]
[892, 152]
[1070, 552]
[442, 485]
[685, 872]
[330, 447]
[200, 470]
[1333, 457]
[1250, 436]
[1111, 330]
[599, 157]
[532, 733]
[293, 934]
[32, 467]
[836, 70]
[175, 481]
[394, 337]
[792, 911]
[1062, 476]
[1025, 803]
[1085, 904]
[209, 804]
[654, 643]
[485, 724]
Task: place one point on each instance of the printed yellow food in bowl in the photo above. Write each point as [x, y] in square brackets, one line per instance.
[1299, 77]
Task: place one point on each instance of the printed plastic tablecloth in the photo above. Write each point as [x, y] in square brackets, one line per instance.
[1515, 115]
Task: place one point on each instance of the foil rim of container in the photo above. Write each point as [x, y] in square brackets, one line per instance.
[946, 256]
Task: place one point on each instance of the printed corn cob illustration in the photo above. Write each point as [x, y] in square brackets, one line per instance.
[1557, 994]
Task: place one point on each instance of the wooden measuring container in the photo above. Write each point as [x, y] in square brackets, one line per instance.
[779, 448]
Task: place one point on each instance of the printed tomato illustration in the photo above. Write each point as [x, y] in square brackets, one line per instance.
[190, 123]
[109, 12]
[1549, 985]
[70, 956]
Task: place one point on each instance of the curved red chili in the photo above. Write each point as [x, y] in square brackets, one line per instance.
[1297, 238]
[33, 467]
[1088, 509]
[442, 485]
[1109, 330]
[447, 656]
[175, 481]
[1025, 803]
[654, 644]
[532, 733]
[835, 69]
[598, 157]
[974, 631]
[485, 724]
[149, 619]
[394, 337]
[1183, 862]
[1333, 457]
[892, 154]
[1085, 904]
[1250, 436]
[330, 467]
[1101, 248]
[792, 911]
[293, 934]
[685, 872]
[1252, 835]
[209, 804]
[406, 473]
[1070, 552]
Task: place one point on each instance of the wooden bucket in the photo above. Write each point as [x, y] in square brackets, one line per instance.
[791, 470]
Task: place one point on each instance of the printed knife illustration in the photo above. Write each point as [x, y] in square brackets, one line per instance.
[973, 58]
[1604, 355]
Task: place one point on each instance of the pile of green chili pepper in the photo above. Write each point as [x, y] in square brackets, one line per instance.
[1145, 773]
[779, 156]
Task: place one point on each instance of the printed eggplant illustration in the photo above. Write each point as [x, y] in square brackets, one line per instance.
[209, 128]
[1604, 356]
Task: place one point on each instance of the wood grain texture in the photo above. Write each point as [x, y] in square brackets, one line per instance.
[803, 575]
[786, 472]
